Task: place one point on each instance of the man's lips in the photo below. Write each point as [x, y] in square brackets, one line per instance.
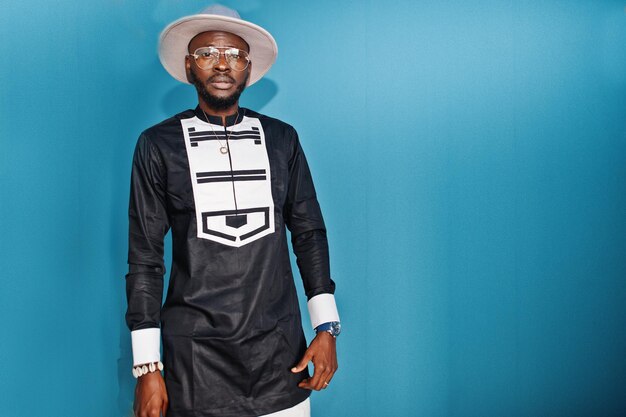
[221, 83]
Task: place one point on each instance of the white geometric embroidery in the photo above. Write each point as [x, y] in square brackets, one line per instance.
[232, 191]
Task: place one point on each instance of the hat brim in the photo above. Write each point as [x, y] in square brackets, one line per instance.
[176, 36]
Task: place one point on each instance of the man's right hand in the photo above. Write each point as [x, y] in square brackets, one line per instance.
[150, 396]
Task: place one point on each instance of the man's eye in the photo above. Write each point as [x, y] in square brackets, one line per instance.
[233, 52]
[205, 53]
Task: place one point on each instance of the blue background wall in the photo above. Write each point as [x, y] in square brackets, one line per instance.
[469, 157]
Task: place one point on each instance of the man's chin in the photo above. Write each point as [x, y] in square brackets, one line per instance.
[218, 99]
[219, 102]
[220, 94]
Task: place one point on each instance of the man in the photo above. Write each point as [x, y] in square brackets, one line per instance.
[226, 180]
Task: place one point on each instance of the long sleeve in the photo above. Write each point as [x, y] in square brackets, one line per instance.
[304, 219]
[148, 224]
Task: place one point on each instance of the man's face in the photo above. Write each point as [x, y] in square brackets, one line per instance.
[219, 86]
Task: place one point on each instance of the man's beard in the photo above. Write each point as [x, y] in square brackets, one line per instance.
[214, 102]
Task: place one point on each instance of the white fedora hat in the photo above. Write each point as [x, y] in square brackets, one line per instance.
[176, 36]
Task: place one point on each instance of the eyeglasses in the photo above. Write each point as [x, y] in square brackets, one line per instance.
[208, 56]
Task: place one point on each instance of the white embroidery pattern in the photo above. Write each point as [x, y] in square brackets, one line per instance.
[232, 192]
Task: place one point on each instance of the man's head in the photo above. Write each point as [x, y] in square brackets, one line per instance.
[221, 24]
[219, 82]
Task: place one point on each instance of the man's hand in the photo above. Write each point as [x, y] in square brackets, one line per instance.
[323, 352]
[150, 396]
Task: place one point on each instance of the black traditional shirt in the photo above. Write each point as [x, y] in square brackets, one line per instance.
[230, 325]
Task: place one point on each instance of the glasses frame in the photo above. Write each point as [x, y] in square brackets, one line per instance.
[195, 56]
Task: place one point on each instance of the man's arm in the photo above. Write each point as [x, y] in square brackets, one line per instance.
[304, 219]
[148, 224]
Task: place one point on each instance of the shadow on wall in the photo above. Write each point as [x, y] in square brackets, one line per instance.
[254, 97]
[259, 94]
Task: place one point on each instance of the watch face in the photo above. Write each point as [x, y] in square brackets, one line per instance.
[335, 327]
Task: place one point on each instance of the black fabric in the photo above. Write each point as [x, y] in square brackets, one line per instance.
[231, 324]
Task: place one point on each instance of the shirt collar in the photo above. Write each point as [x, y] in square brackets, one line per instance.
[217, 120]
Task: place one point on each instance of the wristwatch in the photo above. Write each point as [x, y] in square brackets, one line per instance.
[332, 327]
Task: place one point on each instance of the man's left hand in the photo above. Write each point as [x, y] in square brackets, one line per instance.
[323, 352]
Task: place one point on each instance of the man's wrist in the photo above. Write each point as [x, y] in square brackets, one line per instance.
[146, 368]
[331, 327]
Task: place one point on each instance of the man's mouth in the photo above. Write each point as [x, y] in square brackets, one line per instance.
[221, 83]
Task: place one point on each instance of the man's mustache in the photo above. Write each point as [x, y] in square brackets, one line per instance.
[220, 78]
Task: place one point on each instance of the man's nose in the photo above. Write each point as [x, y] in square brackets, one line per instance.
[221, 64]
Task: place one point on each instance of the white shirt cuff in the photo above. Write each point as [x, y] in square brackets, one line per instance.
[146, 345]
[322, 309]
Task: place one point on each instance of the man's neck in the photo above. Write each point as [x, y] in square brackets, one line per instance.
[222, 113]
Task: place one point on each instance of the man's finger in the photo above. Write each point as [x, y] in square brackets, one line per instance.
[331, 373]
[303, 362]
[164, 408]
[328, 371]
[305, 383]
[322, 378]
[319, 369]
[329, 378]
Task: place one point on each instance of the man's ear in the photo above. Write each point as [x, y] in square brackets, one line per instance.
[249, 69]
[188, 68]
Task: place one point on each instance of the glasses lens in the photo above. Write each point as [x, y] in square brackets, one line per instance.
[237, 59]
[206, 57]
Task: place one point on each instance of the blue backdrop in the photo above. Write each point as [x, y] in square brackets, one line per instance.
[469, 156]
